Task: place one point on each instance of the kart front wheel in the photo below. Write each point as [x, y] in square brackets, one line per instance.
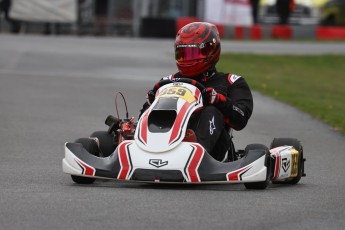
[261, 184]
[107, 142]
[91, 146]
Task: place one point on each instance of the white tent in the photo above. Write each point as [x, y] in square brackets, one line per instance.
[64, 11]
[228, 12]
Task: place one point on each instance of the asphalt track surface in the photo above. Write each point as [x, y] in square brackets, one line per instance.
[56, 89]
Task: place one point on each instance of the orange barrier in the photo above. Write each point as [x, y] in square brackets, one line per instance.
[330, 33]
[256, 32]
[239, 32]
[281, 31]
[220, 30]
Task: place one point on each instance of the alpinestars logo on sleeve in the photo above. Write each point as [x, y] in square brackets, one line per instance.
[212, 126]
[238, 110]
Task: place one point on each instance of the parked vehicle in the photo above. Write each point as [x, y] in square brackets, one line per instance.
[304, 13]
[333, 13]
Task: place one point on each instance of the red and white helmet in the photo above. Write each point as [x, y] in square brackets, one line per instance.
[197, 48]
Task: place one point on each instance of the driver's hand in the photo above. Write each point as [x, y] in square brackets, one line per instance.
[150, 97]
[211, 96]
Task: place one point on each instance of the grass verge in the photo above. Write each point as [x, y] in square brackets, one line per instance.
[314, 84]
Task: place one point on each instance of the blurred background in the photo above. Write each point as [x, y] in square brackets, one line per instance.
[254, 19]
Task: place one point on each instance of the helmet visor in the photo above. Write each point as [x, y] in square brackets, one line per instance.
[193, 52]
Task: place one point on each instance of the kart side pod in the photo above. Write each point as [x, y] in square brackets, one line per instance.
[286, 163]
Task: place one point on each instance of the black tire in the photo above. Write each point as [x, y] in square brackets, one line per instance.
[263, 184]
[107, 142]
[92, 147]
[277, 142]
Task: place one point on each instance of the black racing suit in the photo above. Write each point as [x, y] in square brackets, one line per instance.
[213, 122]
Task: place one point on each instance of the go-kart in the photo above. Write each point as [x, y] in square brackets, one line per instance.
[160, 148]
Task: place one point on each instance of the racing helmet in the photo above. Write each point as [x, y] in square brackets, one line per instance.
[197, 48]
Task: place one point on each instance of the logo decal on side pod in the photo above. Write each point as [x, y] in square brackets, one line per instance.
[158, 163]
[286, 164]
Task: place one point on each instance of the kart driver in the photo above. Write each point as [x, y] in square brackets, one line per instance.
[229, 102]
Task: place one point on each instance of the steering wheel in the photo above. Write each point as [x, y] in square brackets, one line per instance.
[159, 84]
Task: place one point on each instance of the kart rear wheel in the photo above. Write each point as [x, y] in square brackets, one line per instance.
[107, 144]
[92, 147]
[263, 184]
[277, 142]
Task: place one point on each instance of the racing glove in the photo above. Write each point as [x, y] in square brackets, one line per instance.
[150, 97]
[211, 97]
